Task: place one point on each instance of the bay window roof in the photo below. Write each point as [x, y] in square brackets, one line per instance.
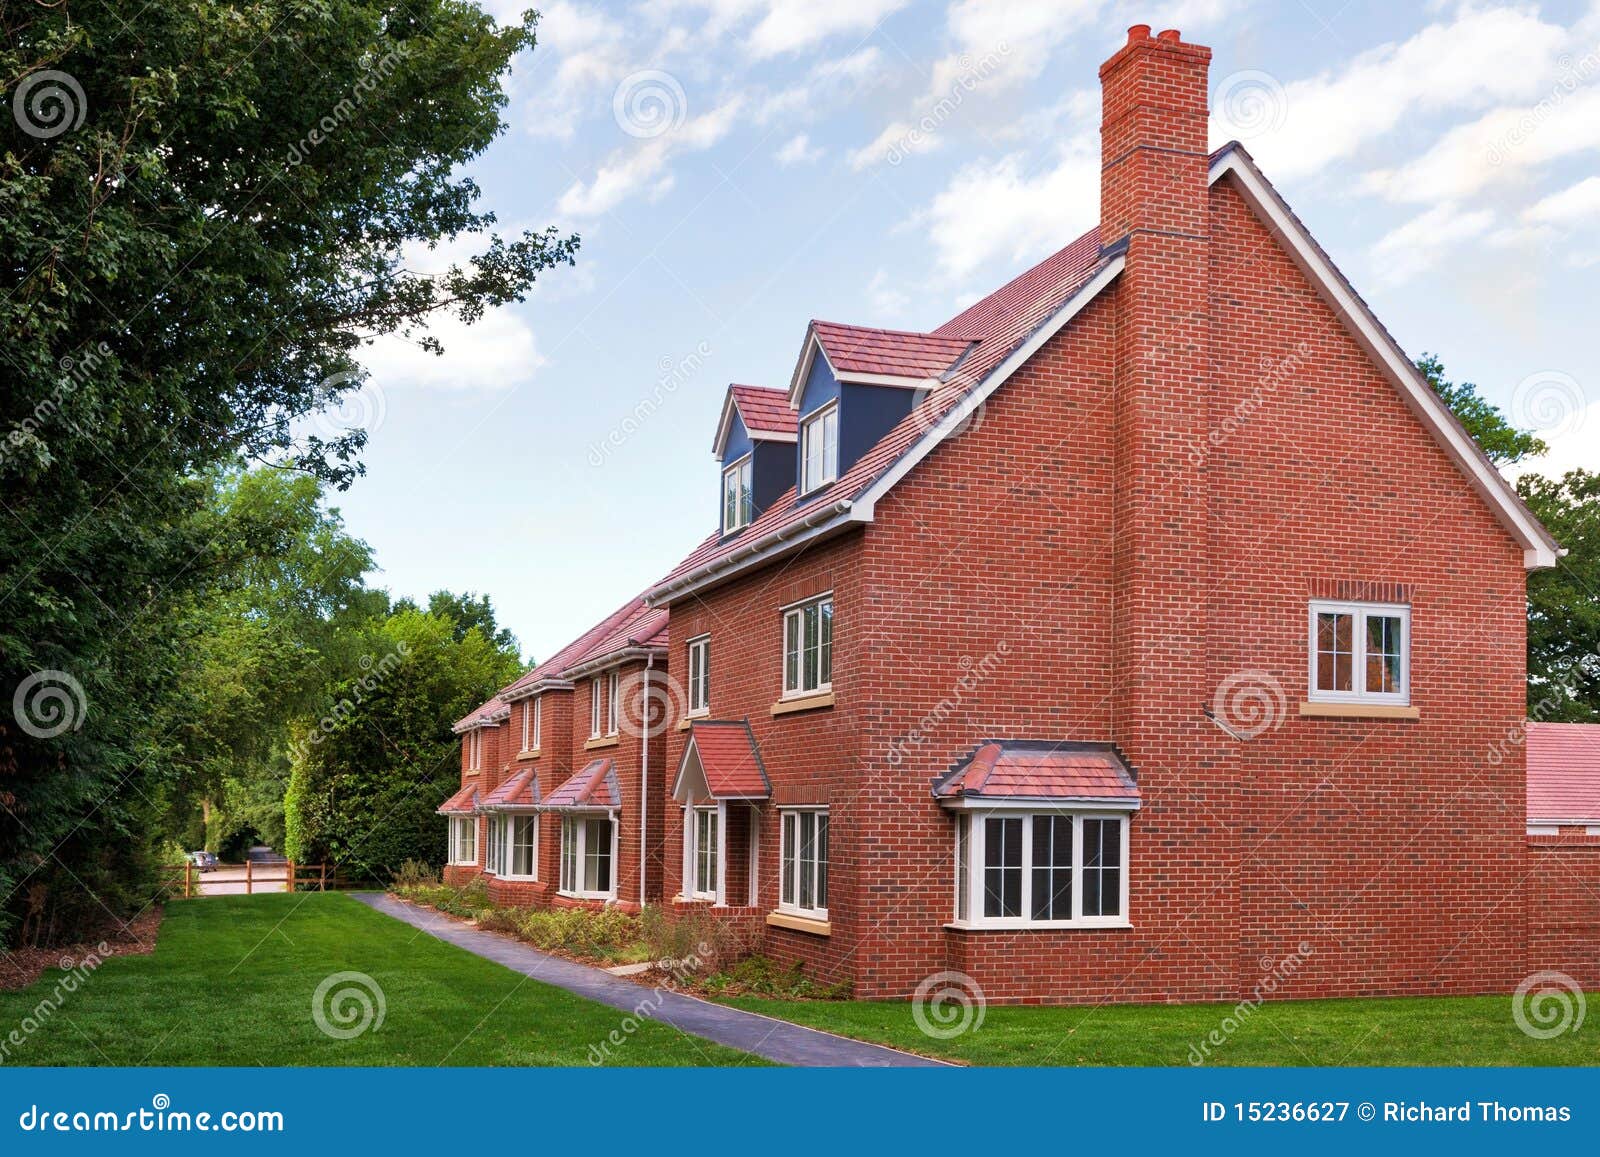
[1045, 771]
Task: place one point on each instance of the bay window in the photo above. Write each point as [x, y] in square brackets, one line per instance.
[586, 856]
[808, 647]
[703, 832]
[522, 847]
[493, 831]
[1360, 653]
[1047, 868]
[803, 862]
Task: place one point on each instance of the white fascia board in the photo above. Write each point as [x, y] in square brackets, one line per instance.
[828, 518]
[901, 381]
[538, 688]
[1539, 550]
[802, 369]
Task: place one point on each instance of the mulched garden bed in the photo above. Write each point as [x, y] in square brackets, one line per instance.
[20, 967]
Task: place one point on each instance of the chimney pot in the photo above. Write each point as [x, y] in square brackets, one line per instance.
[1171, 36]
[1138, 32]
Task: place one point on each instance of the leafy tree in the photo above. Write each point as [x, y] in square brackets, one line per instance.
[469, 610]
[1564, 602]
[205, 215]
[1498, 438]
[369, 775]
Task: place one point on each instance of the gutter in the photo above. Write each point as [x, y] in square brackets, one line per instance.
[721, 568]
[611, 659]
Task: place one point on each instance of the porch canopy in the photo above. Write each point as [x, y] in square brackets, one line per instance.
[721, 762]
[1001, 771]
[519, 793]
[463, 803]
[592, 788]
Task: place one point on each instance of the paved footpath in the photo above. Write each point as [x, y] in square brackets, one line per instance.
[776, 1040]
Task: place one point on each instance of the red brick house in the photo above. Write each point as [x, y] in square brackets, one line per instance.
[1145, 625]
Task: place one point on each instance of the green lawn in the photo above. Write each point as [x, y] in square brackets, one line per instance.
[1475, 1030]
[232, 979]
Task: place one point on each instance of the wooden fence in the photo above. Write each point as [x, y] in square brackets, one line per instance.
[248, 878]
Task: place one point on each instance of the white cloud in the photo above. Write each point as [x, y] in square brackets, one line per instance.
[790, 25]
[1002, 212]
[887, 299]
[1482, 57]
[1409, 249]
[642, 167]
[1577, 205]
[496, 353]
[798, 150]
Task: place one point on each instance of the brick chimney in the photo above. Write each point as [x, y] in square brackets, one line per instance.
[1168, 654]
[1153, 137]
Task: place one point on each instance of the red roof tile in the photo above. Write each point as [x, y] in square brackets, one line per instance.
[463, 803]
[1001, 322]
[729, 759]
[594, 786]
[521, 790]
[764, 410]
[586, 644]
[1564, 772]
[481, 716]
[856, 349]
[1002, 769]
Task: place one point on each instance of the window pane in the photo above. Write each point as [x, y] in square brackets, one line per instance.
[963, 869]
[1002, 873]
[830, 444]
[1052, 867]
[1102, 870]
[822, 859]
[1383, 654]
[809, 617]
[597, 856]
[1334, 654]
[791, 651]
[807, 859]
[825, 662]
[786, 887]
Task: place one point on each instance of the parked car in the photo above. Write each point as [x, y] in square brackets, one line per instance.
[204, 861]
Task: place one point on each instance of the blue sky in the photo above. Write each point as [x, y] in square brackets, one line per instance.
[737, 167]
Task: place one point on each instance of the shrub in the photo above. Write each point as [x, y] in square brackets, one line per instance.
[414, 872]
[761, 976]
[694, 941]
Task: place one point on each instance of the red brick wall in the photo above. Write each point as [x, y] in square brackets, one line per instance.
[1564, 906]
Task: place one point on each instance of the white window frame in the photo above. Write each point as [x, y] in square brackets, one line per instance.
[1360, 613]
[475, 749]
[613, 682]
[594, 708]
[463, 851]
[575, 853]
[715, 817]
[739, 472]
[509, 843]
[530, 724]
[813, 425]
[796, 613]
[789, 899]
[970, 834]
[699, 666]
[494, 846]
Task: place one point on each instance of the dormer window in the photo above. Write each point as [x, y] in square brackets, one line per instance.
[819, 448]
[738, 501]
